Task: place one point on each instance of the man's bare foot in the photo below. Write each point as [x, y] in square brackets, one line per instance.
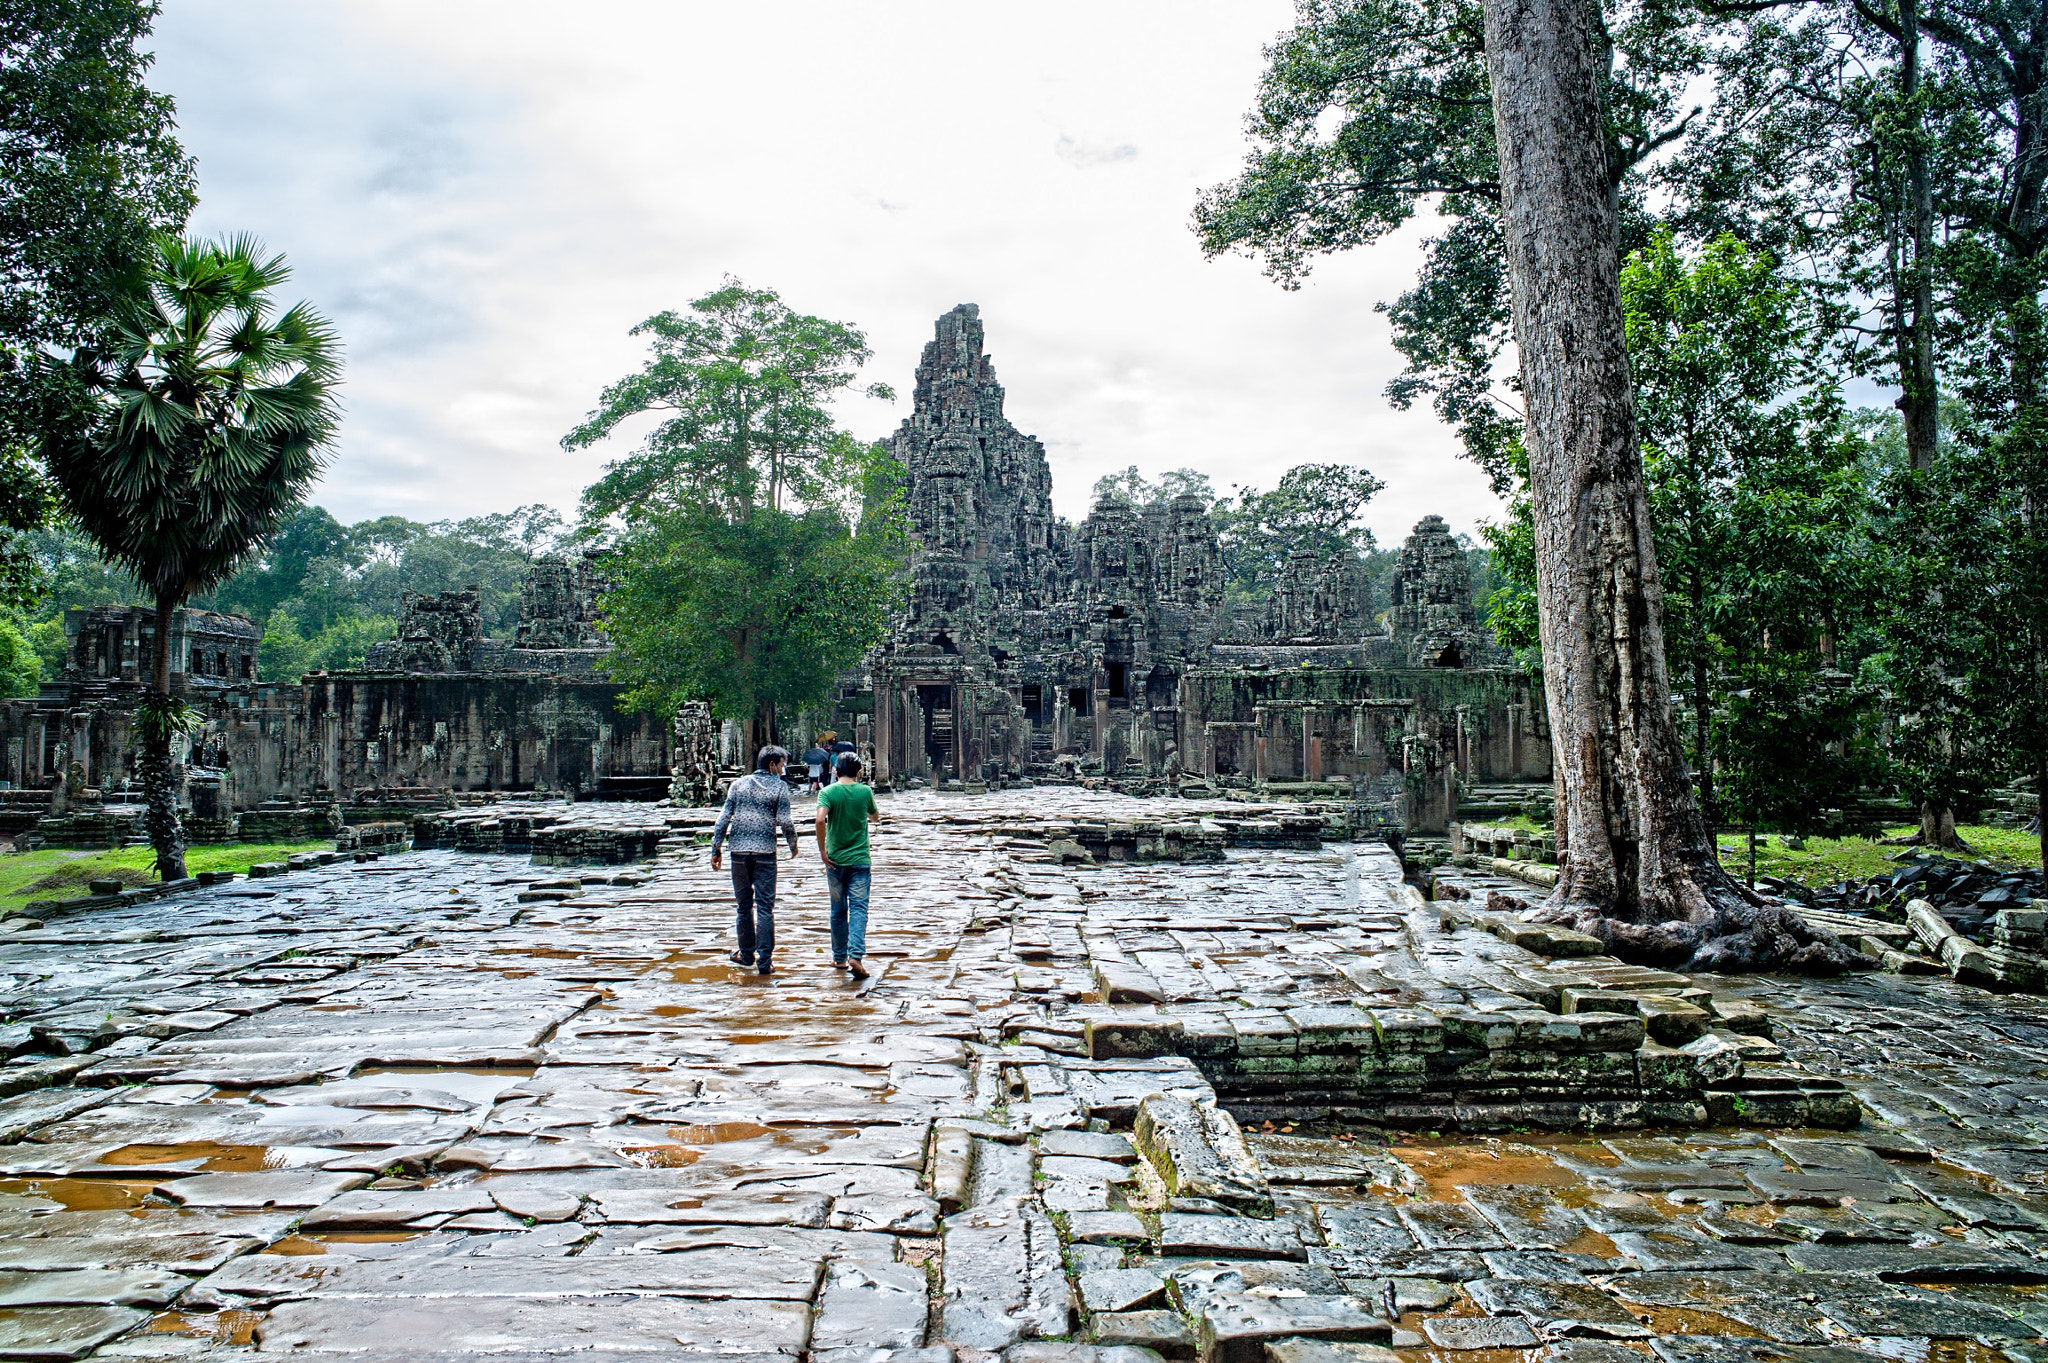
[858, 971]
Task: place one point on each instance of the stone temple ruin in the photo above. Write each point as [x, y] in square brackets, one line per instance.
[1105, 651]
[1109, 647]
[439, 711]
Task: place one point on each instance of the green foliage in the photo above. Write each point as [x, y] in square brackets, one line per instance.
[1132, 487]
[756, 549]
[324, 574]
[748, 614]
[21, 669]
[187, 433]
[89, 171]
[48, 639]
[1317, 508]
[1371, 109]
[286, 654]
[200, 421]
[743, 384]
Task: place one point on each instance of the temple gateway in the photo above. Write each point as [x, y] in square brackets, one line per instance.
[1030, 649]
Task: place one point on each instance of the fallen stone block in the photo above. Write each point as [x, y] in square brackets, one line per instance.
[869, 1302]
[1185, 1235]
[1929, 926]
[1236, 1327]
[1003, 1278]
[1136, 1037]
[1200, 1153]
[1163, 1333]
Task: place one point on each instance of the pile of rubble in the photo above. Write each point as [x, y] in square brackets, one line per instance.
[1967, 893]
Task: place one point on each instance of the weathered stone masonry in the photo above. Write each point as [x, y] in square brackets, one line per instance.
[1110, 647]
[440, 709]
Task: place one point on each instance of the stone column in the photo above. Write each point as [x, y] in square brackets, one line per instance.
[36, 744]
[884, 731]
[1099, 697]
[81, 742]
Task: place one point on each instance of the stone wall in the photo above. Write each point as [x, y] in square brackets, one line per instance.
[440, 708]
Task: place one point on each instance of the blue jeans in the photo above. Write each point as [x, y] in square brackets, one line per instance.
[849, 887]
[753, 890]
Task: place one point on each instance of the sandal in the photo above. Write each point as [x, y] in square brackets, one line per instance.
[744, 962]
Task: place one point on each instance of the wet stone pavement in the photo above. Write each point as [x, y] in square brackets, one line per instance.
[448, 1105]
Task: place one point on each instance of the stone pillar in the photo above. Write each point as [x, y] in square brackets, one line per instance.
[1311, 752]
[33, 749]
[1259, 745]
[884, 731]
[1098, 694]
[78, 723]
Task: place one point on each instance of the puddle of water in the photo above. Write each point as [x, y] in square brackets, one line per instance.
[661, 1156]
[1689, 1320]
[84, 1194]
[1590, 1241]
[673, 1010]
[755, 1038]
[1443, 1169]
[714, 1132]
[233, 1328]
[211, 1157]
[703, 974]
[294, 1245]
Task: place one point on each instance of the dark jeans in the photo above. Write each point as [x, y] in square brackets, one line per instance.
[753, 889]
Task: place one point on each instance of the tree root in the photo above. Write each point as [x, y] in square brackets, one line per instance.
[1738, 938]
[1953, 843]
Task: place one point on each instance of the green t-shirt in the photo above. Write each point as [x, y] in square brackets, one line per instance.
[847, 805]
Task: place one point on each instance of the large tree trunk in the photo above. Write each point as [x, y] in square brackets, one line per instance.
[159, 791]
[1640, 870]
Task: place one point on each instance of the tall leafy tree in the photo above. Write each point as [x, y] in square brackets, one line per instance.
[1371, 106]
[755, 546]
[192, 430]
[90, 170]
[1756, 494]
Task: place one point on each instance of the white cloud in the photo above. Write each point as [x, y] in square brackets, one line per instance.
[486, 196]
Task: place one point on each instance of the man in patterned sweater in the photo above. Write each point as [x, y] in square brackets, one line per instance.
[756, 809]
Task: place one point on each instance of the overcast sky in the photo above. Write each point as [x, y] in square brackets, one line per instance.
[486, 197]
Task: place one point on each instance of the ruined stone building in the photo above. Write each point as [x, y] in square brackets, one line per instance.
[1110, 645]
[440, 708]
[1028, 646]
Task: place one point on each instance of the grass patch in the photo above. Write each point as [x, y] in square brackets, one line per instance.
[54, 874]
[1825, 860]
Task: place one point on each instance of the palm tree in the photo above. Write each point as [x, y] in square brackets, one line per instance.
[198, 424]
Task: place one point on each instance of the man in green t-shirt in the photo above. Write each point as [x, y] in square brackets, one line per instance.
[844, 809]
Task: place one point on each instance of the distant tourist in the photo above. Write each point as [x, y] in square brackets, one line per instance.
[816, 760]
[756, 808]
[844, 809]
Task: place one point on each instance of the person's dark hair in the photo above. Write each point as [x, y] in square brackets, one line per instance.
[848, 765]
[771, 753]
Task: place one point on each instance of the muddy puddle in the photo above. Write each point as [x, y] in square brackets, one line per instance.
[229, 1329]
[84, 1194]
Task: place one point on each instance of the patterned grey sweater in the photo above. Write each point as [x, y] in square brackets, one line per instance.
[756, 807]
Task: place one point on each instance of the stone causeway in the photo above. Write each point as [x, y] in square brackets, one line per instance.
[1131, 1079]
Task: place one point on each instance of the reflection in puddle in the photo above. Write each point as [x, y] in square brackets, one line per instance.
[83, 1194]
[233, 1328]
[211, 1156]
[1446, 1168]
